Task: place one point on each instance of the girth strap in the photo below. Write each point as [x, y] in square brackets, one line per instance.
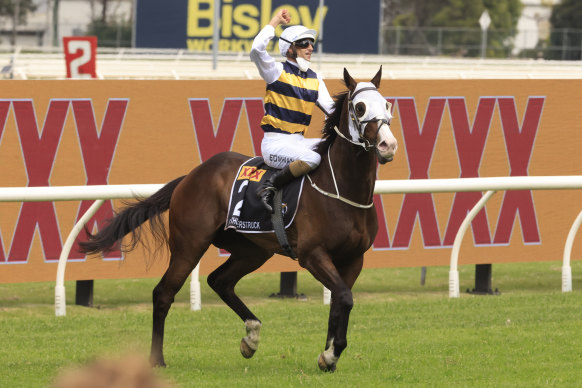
[277, 220]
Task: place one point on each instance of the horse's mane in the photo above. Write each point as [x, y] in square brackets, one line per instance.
[328, 132]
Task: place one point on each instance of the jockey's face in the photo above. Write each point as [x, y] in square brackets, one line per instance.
[302, 48]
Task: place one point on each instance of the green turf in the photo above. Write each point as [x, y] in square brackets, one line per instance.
[400, 333]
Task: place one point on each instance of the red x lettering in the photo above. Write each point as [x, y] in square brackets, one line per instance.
[470, 141]
[519, 142]
[39, 152]
[98, 149]
[420, 146]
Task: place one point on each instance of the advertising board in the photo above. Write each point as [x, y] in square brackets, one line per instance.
[349, 26]
[68, 133]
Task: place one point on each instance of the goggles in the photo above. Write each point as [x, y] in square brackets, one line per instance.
[304, 43]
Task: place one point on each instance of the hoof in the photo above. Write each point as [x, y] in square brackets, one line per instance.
[250, 343]
[246, 350]
[323, 365]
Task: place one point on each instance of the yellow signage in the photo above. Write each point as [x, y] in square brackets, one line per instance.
[240, 22]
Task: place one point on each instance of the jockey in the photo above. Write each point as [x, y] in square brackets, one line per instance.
[292, 91]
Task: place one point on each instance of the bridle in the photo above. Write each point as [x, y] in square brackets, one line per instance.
[360, 124]
[362, 142]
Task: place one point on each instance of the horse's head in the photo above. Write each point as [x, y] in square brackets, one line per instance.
[370, 116]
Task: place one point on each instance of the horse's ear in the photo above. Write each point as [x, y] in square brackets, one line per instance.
[350, 82]
[377, 78]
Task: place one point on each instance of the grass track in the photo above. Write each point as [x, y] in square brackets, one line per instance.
[400, 334]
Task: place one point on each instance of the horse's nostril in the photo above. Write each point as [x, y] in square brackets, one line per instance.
[383, 146]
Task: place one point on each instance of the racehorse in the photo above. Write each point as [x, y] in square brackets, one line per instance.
[330, 233]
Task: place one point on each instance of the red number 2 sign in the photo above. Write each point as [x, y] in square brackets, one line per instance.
[80, 56]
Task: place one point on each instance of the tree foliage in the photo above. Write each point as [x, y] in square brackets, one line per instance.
[458, 21]
[112, 33]
[8, 7]
[566, 16]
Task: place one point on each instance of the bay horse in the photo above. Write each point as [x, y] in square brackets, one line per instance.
[330, 232]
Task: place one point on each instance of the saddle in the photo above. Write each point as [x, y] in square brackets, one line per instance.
[246, 213]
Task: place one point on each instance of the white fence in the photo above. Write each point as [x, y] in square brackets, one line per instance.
[29, 63]
[489, 185]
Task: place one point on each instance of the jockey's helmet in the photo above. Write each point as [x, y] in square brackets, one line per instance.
[293, 34]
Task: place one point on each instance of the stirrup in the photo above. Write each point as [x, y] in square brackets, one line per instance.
[266, 194]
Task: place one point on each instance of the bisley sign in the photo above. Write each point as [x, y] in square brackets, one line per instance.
[189, 24]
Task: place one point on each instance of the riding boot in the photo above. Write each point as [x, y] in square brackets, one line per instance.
[266, 191]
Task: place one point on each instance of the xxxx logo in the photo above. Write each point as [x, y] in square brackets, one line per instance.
[251, 173]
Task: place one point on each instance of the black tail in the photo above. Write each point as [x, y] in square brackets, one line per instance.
[129, 220]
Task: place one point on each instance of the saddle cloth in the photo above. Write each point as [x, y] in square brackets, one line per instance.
[246, 213]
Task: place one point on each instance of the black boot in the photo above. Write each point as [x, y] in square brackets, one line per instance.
[266, 191]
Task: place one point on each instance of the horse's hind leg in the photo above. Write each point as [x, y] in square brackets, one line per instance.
[245, 258]
[163, 296]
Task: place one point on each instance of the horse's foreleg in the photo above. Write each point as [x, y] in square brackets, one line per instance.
[320, 265]
[163, 297]
[224, 279]
[339, 314]
[332, 323]
[332, 327]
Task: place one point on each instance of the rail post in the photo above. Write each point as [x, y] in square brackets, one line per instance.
[195, 297]
[454, 272]
[60, 297]
[566, 268]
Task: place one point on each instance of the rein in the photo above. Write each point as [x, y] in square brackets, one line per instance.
[337, 194]
[358, 143]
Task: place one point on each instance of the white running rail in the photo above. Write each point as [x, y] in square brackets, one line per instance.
[100, 193]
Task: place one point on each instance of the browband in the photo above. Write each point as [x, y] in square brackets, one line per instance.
[352, 96]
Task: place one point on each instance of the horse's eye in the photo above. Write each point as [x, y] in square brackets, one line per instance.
[360, 109]
[388, 106]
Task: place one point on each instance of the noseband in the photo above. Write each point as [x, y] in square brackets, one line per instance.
[362, 141]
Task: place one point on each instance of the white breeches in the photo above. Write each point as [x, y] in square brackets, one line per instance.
[280, 149]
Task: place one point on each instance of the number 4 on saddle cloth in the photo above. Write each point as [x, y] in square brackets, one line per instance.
[246, 213]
